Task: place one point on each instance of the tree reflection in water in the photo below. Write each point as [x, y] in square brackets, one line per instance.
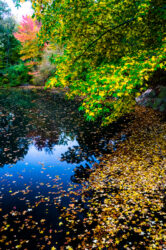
[47, 120]
[41, 121]
[81, 173]
[13, 141]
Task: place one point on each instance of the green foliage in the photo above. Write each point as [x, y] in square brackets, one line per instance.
[14, 75]
[111, 49]
[12, 70]
[9, 51]
[9, 46]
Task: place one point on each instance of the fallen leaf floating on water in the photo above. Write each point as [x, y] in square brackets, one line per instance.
[125, 194]
[69, 248]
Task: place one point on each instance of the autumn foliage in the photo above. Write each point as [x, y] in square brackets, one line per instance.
[106, 52]
[27, 35]
[111, 49]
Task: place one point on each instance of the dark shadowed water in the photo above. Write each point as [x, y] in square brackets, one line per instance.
[46, 148]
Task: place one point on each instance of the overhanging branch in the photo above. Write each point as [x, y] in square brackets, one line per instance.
[91, 44]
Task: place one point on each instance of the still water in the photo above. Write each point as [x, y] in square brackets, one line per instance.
[46, 148]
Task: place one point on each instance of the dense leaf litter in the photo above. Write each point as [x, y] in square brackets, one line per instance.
[126, 191]
[68, 184]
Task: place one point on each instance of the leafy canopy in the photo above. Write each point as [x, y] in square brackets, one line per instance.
[111, 48]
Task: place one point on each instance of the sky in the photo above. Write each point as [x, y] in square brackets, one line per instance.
[24, 10]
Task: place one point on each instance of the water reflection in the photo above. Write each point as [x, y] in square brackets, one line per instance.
[46, 121]
[81, 173]
[13, 141]
[45, 147]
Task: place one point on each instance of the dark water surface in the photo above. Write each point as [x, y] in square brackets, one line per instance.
[46, 148]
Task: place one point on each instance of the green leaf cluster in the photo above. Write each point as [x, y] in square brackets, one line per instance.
[110, 49]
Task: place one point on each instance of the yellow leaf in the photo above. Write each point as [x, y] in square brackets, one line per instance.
[139, 18]
[69, 248]
[18, 246]
[119, 94]
[53, 248]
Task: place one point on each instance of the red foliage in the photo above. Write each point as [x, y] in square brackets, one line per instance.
[27, 29]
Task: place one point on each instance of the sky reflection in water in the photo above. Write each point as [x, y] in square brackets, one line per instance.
[45, 147]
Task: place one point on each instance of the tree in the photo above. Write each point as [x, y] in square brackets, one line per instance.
[12, 71]
[8, 44]
[111, 49]
[4, 10]
[27, 35]
[34, 56]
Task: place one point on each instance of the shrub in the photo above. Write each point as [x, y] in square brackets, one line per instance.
[14, 75]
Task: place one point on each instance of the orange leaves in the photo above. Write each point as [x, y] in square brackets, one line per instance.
[28, 29]
[71, 205]
[27, 35]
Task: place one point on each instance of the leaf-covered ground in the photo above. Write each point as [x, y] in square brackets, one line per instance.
[124, 198]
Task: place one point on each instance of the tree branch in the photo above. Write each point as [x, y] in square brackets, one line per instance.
[91, 44]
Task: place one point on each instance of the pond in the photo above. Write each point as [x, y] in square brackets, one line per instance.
[46, 149]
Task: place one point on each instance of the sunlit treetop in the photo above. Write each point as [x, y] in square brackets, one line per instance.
[27, 35]
[27, 29]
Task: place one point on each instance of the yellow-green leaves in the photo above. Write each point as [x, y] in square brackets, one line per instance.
[27, 35]
[111, 48]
